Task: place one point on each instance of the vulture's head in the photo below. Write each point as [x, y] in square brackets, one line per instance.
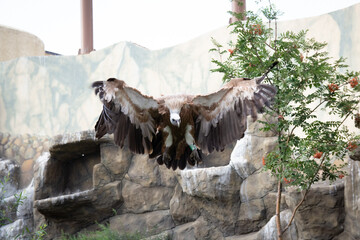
[174, 105]
[175, 118]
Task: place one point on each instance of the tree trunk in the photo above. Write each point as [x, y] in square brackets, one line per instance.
[278, 203]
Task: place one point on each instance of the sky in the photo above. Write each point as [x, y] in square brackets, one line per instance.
[154, 24]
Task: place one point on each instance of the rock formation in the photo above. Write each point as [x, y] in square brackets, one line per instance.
[81, 181]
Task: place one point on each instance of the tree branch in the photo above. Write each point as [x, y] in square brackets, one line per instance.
[293, 129]
[305, 194]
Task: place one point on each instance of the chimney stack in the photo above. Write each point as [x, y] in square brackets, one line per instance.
[87, 44]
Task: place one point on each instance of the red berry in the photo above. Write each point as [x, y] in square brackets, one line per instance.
[351, 146]
[353, 82]
[333, 87]
[231, 51]
[318, 155]
[256, 29]
[288, 181]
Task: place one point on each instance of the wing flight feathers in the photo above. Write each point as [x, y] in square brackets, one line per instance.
[127, 113]
[222, 116]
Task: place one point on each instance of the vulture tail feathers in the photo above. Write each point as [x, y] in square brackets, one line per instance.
[183, 160]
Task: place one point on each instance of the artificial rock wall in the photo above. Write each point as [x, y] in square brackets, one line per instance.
[81, 181]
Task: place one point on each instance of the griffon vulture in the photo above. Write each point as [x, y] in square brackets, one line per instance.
[176, 129]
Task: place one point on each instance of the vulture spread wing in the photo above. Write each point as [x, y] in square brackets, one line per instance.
[127, 114]
[222, 116]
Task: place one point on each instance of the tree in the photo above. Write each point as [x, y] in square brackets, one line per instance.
[310, 85]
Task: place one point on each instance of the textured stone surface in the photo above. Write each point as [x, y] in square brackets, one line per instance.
[27, 166]
[139, 199]
[322, 213]
[74, 145]
[144, 171]
[25, 209]
[248, 153]
[246, 158]
[150, 223]
[213, 183]
[219, 213]
[183, 208]
[115, 159]
[252, 216]
[40, 169]
[352, 200]
[101, 175]
[8, 211]
[217, 159]
[257, 186]
[269, 231]
[20, 216]
[167, 178]
[210, 203]
[250, 236]
[73, 212]
[86, 206]
[161, 236]
[24, 150]
[9, 173]
[270, 204]
[61, 177]
[12, 230]
[254, 127]
[200, 229]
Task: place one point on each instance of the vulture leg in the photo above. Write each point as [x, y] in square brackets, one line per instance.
[168, 138]
[195, 156]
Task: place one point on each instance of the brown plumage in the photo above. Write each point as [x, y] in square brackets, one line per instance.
[177, 129]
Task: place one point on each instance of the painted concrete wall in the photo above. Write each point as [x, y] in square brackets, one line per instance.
[51, 95]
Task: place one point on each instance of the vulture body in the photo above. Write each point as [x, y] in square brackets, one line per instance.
[177, 129]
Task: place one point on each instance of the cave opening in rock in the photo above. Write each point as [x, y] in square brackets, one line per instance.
[70, 168]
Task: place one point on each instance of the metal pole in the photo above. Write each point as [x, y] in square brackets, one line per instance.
[87, 44]
[238, 6]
